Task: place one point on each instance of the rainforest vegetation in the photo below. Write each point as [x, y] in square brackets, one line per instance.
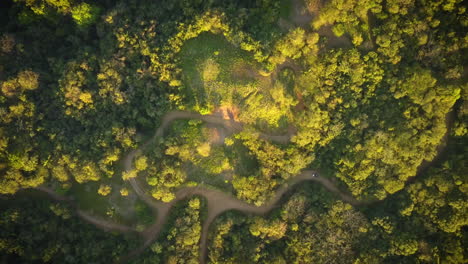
[233, 131]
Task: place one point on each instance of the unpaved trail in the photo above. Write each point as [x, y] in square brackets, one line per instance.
[230, 125]
[217, 201]
[104, 224]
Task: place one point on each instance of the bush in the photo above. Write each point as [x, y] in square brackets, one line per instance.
[104, 190]
[85, 14]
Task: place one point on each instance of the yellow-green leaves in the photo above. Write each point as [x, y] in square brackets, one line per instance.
[104, 190]
[141, 163]
[25, 80]
[84, 14]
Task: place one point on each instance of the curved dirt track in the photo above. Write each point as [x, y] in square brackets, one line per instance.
[162, 209]
[217, 201]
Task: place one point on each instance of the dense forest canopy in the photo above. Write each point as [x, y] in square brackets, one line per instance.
[233, 131]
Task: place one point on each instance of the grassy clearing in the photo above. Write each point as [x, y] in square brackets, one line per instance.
[244, 163]
[218, 74]
[209, 46]
[199, 175]
[207, 63]
[122, 209]
[88, 199]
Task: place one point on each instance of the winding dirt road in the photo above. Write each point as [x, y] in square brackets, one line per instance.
[217, 201]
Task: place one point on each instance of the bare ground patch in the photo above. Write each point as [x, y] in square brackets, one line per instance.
[227, 112]
[216, 134]
[332, 40]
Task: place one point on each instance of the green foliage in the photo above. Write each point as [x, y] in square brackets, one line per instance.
[350, 16]
[104, 190]
[86, 172]
[164, 180]
[141, 163]
[124, 192]
[345, 102]
[181, 241]
[15, 180]
[129, 174]
[82, 84]
[75, 98]
[328, 237]
[84, 14]
[276, 160]
[271, 230]
[26, 80]
[39, 221]
[440, 197]
[60, 210]
[253, 189]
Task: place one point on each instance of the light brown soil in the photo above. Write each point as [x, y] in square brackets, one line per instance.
[216, 135]
[227, 112]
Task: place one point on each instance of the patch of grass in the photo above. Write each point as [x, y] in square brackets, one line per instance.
[199, 175]
[144, 215]
[114, 206]
[207, 64]
[88, 199]
[285, 8]
[244, 163]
